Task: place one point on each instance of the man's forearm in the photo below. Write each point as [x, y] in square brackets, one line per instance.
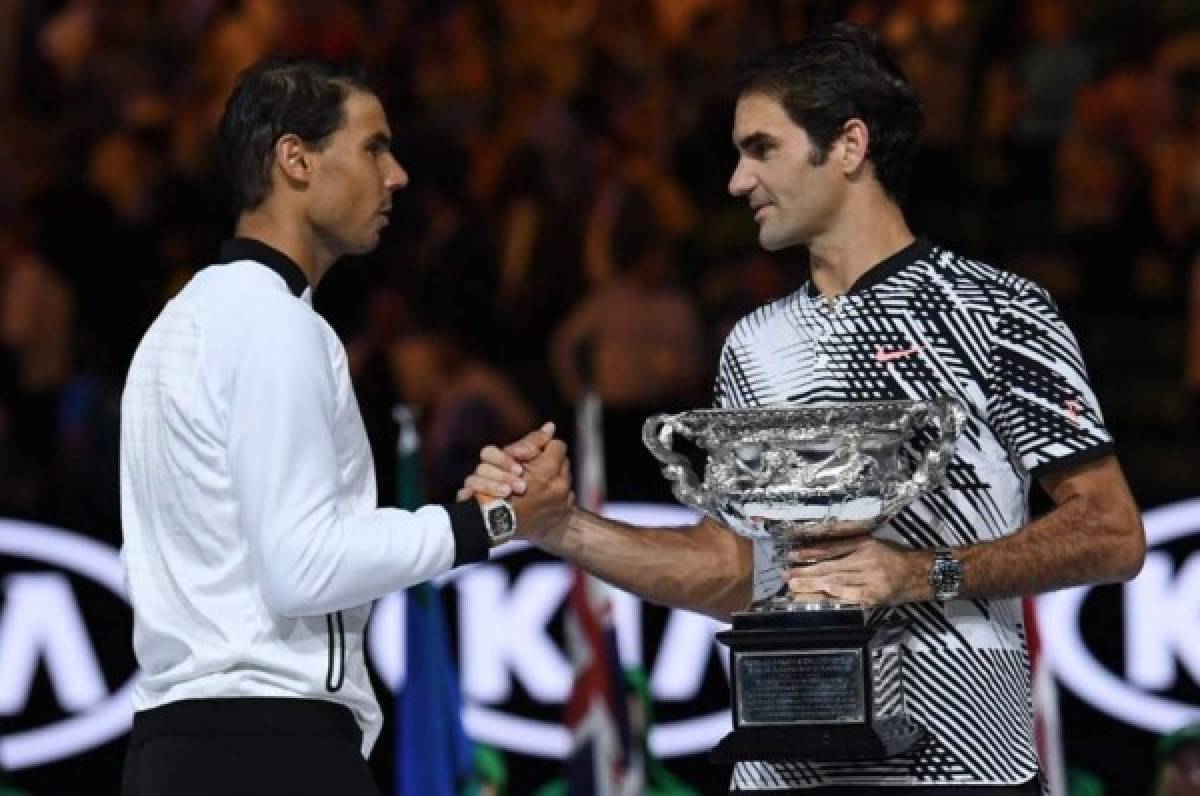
[1093, 535]
[705, 568]
[1067, 547]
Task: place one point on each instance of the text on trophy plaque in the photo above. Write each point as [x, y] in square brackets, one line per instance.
[800, 687]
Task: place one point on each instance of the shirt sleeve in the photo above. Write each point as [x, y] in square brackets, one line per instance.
[314, 555]
[1040, 402]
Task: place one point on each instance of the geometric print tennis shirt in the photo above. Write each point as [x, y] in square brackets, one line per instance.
[921, 324]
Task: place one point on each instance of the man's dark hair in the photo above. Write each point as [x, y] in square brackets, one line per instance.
[839, 73]
[272, 98]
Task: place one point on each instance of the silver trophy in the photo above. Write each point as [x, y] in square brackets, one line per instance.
[812, 678]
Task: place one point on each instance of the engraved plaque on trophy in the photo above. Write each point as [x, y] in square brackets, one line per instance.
[812, 679]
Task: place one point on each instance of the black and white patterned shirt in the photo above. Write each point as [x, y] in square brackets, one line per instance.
[928, 322]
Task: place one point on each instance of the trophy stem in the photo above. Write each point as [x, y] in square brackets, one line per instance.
[787, 601]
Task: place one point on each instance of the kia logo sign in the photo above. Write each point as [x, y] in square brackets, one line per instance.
[41, 621]
[503, 636]
[1161, 632]
[503, 639]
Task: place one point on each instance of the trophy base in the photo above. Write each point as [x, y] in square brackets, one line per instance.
[818, 684]
[856, 742]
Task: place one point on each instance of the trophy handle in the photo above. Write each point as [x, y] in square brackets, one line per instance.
[657, 433]
[950, 416]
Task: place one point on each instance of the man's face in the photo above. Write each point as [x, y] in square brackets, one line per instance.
[793, 200]
[354, 177]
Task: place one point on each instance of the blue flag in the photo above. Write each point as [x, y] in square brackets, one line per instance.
[433, 753]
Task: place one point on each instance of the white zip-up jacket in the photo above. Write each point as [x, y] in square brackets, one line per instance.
[253, 545]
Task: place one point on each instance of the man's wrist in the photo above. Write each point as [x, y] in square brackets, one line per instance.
[917, 588]
[554, 540]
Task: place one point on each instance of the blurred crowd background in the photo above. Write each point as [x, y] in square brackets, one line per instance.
[567, 226]
[567, 223]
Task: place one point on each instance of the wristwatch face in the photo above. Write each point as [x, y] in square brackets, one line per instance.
[500, 521]
[946, 578]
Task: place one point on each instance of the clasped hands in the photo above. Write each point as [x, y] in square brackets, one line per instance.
[534, 474]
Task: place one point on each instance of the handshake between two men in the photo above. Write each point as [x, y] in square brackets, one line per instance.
[704, 567]
[534, 475]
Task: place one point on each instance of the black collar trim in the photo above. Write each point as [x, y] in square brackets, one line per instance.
[918, 250]
[236, 249]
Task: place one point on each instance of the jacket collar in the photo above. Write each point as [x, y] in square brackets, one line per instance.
[236, 249]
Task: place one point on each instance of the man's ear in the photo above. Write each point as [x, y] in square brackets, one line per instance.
[855, 142]
[293, 158]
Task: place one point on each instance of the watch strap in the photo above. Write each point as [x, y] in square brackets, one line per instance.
[471, 539]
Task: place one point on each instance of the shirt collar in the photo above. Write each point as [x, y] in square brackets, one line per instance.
[893, 264]
[236, 249]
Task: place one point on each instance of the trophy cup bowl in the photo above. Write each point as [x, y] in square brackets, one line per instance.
[812, 678]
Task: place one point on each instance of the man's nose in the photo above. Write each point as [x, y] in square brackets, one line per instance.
[740, 182]
[397, 176]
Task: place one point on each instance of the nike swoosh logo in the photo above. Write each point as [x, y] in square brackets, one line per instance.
[1073, 411]
[884, 355]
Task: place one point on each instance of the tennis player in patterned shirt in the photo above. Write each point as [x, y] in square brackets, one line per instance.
[826, 129]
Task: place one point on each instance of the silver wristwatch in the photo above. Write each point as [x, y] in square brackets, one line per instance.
[499, 519]
[945, 575]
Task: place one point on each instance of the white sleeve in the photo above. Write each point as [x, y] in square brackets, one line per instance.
[311, 555]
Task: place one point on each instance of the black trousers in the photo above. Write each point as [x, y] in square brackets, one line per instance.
[244, 746]
[1031, 788]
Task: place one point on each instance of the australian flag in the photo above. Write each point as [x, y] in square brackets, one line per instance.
[605, 757]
